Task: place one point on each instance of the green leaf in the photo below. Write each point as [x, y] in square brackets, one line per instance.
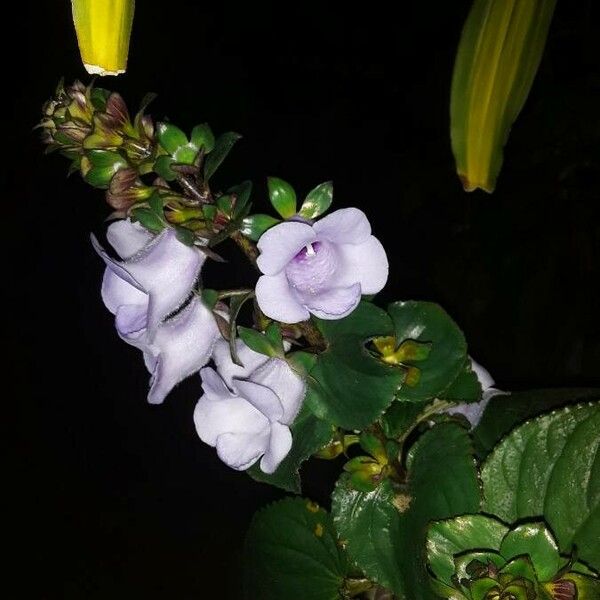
[401, 416]
[203, 137]
[222, 147]
[210, 297]
[185, 236]
[186, 154]
[257, 341]
[162, 166]
[170, 137]
[318, 201]
[504, 413]
[428, 322]
[235, 305]
[534, 540]
[446, 539]
[550, 468]
[588, 588]
[273, 334]
[385, 529]
[242, 193]
[149, 219]
[155, 203]
[291, 553]
[466, 387]
[309, 435]
[254, 226]
[282, 196]
[354, 386]
[104, 164]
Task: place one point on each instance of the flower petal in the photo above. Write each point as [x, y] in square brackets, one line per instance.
[334, 303]
[277, 375]
[228, 369]
[167, 270]
[215, 417]
[116, 267]
[344, 226]
[241, 450]
[261, 397]
[127, 238]
[281, 243]
[277, 300]
[213, 384]
[130, 321]
[280, 443]
[183, 345]
[364, 263]
[118, 292]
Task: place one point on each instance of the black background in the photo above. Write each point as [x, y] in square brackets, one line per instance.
[119, 499]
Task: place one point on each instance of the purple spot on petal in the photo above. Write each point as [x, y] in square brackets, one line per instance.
[312, 269]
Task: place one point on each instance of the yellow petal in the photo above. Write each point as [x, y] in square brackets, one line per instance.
[498, 56]
[103, 29]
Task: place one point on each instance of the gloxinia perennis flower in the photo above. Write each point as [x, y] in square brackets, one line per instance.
[245, 412]
[321, 268]
[147, 292]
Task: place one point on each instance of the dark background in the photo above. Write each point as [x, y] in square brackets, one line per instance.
[119, 499]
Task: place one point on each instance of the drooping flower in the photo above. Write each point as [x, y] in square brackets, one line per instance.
[473, 411]
[147, 292]
[321, 268]
[245, 412]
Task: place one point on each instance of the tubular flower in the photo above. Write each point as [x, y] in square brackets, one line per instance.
[145, 291]
[245, 412]
[103, 29]
[321, 268]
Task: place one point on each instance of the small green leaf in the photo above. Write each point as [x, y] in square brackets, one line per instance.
[235, 305]
[104, 164]
[186, 154]
[273, 334]
[225, 204]
[428, 322]
[149, 219]
[291, 553]
[242, 193]
[162, 166]
[254, 226]
[309, 435]
[534, 540]
[221, 149]
[209, 211]
[466, 387]
[185, 236]
[282, 196]
[505, 412]
[550, 468]
[318, 201]
[401, 416]
[210, 297]
[448, 538]
[203, 137]
[170, 137]
[256, 341]
[156, 204]
[355, 387]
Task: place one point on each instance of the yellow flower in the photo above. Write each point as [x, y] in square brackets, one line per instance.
[498, 56]
[103, 28]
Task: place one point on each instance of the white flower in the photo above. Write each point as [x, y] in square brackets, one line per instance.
[321, 268]
[473, 411]
[145, 291]
[246, 411]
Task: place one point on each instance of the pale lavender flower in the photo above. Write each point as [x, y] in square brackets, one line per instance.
[146, 291]
[245, 412]
[473, 411]
[321, 268]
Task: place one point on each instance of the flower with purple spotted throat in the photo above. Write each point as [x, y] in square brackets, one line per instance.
[147, 291]
[245, 412]
[321, 268]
